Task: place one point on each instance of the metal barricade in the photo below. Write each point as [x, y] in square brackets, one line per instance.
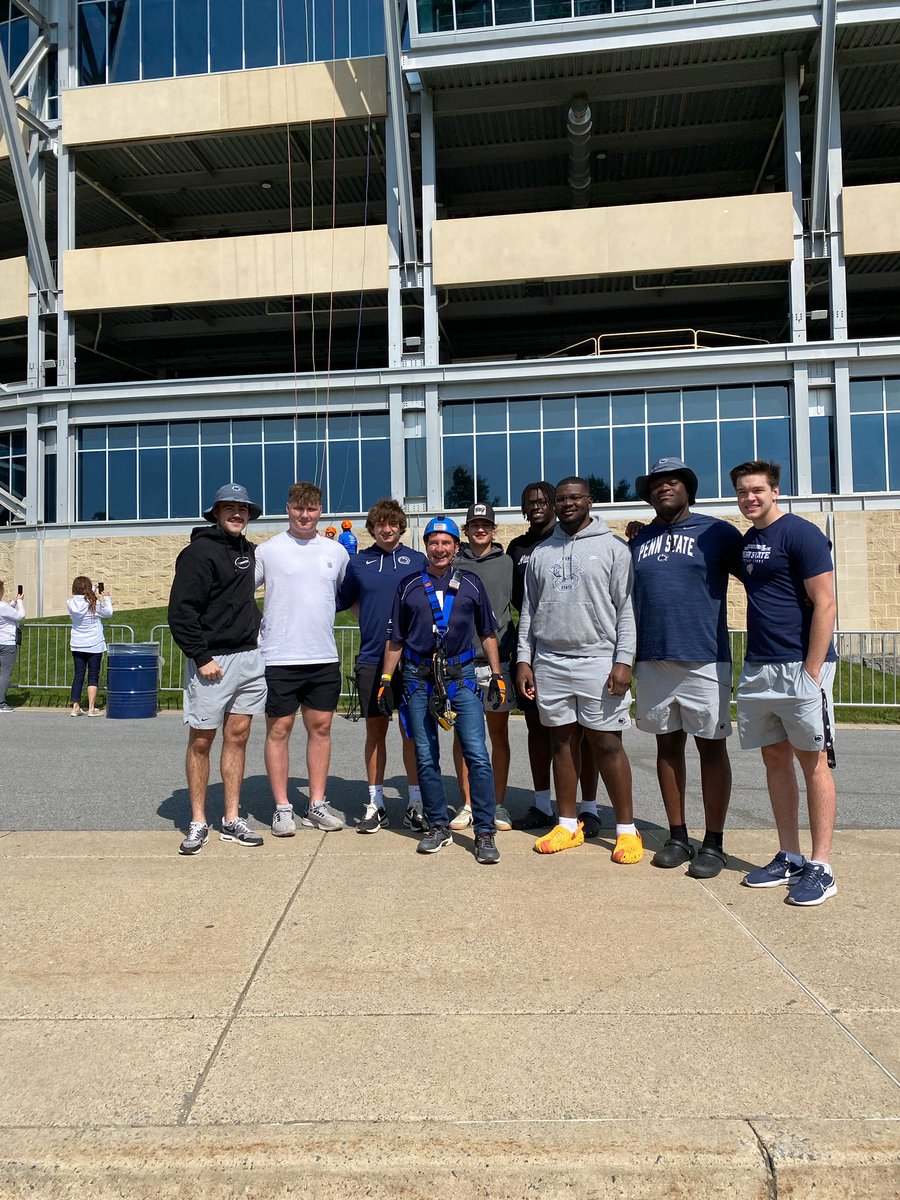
[45, 659]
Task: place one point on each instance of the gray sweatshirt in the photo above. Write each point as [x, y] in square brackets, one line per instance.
[495, 571]
[578, 597]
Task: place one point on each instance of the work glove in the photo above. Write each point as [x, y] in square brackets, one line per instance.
[385, 698]
[496, 691]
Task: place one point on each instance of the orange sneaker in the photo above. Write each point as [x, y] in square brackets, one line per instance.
[629, 848]
[559, 838]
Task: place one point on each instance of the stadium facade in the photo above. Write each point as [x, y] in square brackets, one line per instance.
[439, 251]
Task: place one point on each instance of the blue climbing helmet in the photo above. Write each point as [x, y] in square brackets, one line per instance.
[441, 525]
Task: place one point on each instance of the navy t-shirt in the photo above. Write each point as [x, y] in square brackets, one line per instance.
[680, 587]
[777, 560]
[412, 620]
[372, 578]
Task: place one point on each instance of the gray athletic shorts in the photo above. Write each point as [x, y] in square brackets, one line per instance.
[778, 701]
[693, 696]
[483, 679]
[574, 689]
[242, 689]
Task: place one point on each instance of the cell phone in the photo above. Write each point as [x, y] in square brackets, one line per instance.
[100, 587]
[20, 591]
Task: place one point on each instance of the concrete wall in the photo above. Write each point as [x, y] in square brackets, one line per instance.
[13, 289]
[221, 269]
[614, 241]
[200, 104]
[872, 219]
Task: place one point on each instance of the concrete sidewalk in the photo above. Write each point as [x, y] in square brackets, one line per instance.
[336, 1016]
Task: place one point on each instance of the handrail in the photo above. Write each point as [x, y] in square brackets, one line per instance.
[678, 339]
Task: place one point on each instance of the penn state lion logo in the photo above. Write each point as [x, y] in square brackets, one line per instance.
[567, 572]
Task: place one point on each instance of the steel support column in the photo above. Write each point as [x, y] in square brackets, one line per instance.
[32, 465]
[397, 122]
[793, 176]
[433, 457]
[429, 215]
[395, 304]
[65, 214]
[802, 450]
[65, 457]
[825, 84]
[398, 447]
[837, 274]
[843, 450]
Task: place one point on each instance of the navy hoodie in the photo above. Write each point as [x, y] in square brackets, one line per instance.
[373, 576]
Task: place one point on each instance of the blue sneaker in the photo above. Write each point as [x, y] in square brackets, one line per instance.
[778, 872]
[814, 886]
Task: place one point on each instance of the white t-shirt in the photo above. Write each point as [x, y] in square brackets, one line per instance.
[87, 626]
[11, 613]
[301, 578]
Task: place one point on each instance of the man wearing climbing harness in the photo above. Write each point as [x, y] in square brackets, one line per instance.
[576, 645]
[436, 617]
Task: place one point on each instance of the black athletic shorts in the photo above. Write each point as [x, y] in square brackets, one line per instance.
[368, 680]
[316, 685]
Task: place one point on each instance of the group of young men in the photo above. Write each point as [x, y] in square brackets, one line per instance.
[439, 645]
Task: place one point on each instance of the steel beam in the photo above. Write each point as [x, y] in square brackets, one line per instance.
[398, 124]
[822, 138]
[429, 215]
[119, 203]
[33, 13]
[793, 177]
[37, 52]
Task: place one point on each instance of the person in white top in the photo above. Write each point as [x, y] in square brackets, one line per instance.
[88, 609]
[12, 613]
[301, 573]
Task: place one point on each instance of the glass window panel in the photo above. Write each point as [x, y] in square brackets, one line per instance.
[215, 433]
[310, 429]
[593, 410]
[893, 449]
[414, 456]
[772, 400]
[92, 438]
[215, 468]
[261, 33]
[279, 458]
[4, 443]
[559, 455]
[246, 430]
[278, 429]
[516, 12]
[773, 442]
[891, 394]
[297, 35]
[366, 28]
[559, 413]
[122, 468]
[184, 482]
[736, 402]
[124, 41]
[49, 489]
[663, 407]
[343, 476]
[629, 461]
[122, 437]
[343, 427]
[473, 14]
[92, 487]
[153, 483]
[868, 442]
[490, 478]
[628, 409]
[91, 44]
[325, 29]
[247, 467]
[191, 37]
[593, 462]
[821, 445]
[18, 41]
[524, 414]
[311, 462]
[184, 433]
[375, 425]
[376, 472]
[459, 472]
[663, 441]
[153, 435]
[736, 446]
[226, 49]
[699, 404]
[4, 476]
[524, 463]
[490, 416]
[701, 451]
[866, 395]
[457, 418]
[17, 478]
[17, 442]
[157, 39]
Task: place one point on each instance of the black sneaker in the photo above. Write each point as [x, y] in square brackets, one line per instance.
[415, 817]
[534, 819]
[485, 850]
[435, 839]
[239, 831]
[591, 826]
[373, 819]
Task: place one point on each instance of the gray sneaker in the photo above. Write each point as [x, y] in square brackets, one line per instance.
[239, 831]
[283, 824]
[197, 837]
[502, 819]
[322, 817]
[4, 708]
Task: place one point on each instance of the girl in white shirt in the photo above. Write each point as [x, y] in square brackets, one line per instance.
[88, 611]
[11, 614]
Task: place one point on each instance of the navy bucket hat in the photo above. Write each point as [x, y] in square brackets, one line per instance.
[667, 466]
[232, 493]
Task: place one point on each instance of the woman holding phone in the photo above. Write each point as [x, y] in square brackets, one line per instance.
[12, 613]
[88, 610]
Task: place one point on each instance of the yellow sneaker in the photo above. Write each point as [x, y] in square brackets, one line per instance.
[629, 848]
[559, 838]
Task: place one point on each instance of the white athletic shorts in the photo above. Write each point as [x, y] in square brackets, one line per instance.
[242, 689]
[573, 690]
[483, 679]
[778, 701]
[693, 696]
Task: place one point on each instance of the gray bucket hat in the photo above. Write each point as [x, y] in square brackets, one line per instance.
[235, 493]
[667, 466]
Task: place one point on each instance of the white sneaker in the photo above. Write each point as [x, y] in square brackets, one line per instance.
[463, 818]
[321, 817]
[283, 824]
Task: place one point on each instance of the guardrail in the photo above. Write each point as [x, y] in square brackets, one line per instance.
[45, 659]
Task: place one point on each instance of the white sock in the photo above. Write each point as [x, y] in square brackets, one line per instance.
[827, 866]
[415, 794]
[542, 801]
[569, 823]
[587, 806]
[284, 808]
[376, 794]
[620, 829]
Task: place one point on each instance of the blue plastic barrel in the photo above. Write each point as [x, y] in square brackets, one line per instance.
[132, 679]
